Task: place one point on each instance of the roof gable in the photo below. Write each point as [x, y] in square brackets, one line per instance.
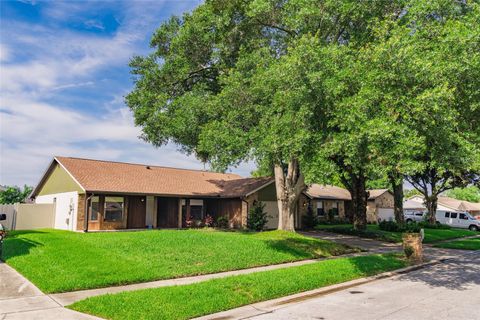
[375, 193]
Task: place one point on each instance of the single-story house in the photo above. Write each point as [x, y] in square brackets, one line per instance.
[449, 204]
[325, 199]
[106, 195]
[380, 205]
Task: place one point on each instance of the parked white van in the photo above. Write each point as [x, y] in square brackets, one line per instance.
[458, 220]
[451, 218]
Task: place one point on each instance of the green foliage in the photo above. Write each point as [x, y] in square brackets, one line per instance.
[392, 226]
[388, 226]
[410, 228]
[309, 220]
[149, 255]
[356, 91]
[188, 301]
[13, 194]
[222, 222]
[408, 250]
[407, 193]
[428, 225]
[471, 193]
[374, 232]
[257, 217]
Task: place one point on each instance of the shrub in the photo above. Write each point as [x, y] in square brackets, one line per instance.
[222, 222]
[189, 222]
[208, 221]
[408, 251]
[310, 220]
[334, 222]
[428, 225]
[331, 214]
[257, 217]
[411, 228]
[391, 226]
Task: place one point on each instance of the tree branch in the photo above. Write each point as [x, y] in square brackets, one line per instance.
[268, 25]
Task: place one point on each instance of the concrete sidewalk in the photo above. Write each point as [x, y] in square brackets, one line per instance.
[21, 300]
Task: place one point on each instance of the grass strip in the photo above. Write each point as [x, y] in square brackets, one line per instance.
[373, 232]
[60, 261]
[188, 301]
[465, 244]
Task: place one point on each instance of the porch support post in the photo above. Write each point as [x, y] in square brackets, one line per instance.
[180, 212]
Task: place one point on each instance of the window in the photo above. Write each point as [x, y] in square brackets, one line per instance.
[113, 208]
[335, 208]
[447, 214]
[94, 208]
[463, 216]
[419, 214]
[196, 209]
[320, 209]
[453, 215]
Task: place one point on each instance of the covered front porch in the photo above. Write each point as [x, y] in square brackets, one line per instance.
[121, 211]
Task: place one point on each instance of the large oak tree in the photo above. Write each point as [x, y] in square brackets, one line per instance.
[232, 81]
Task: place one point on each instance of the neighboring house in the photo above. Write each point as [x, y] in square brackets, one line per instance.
[450, 204]
[380, 205]
[106, 195]
[325, 199]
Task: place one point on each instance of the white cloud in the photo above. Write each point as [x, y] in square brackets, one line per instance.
[4, 53]
[33, 129]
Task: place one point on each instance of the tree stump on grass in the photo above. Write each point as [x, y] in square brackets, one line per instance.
[412, 246]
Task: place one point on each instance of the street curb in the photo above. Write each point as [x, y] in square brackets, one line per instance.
[269, 306]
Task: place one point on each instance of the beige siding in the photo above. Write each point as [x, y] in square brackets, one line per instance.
[35, 216]
[59, 181]
[383, 201]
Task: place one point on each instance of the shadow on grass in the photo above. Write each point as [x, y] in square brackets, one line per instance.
[458, 274]
[14, 245]
[309, 248]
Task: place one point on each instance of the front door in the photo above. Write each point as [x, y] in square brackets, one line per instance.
[137, 206]
[167, 212]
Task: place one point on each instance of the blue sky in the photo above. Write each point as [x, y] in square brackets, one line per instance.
[63, 75]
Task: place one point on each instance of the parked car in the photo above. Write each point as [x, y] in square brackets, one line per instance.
[414, 216]
[453, 219]
[458, 220]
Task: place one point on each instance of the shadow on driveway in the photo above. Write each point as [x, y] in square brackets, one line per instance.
[461, 273]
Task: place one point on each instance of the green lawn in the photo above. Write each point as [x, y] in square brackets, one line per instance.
[58, 261]
[431, 235]
[187, 301]
[465, 244]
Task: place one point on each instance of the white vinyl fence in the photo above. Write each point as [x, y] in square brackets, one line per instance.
[26, 216]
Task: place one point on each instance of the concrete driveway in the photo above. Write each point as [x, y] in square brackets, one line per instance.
[450, 290]
[20, 299]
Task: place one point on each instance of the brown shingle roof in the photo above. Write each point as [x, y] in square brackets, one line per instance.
[461, 205]
[374, 193]
[118, 177]
[328, 192]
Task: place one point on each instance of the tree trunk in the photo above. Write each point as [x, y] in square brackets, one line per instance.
[431, 204]
[397, 186]
[289, 186]
[359, 201]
